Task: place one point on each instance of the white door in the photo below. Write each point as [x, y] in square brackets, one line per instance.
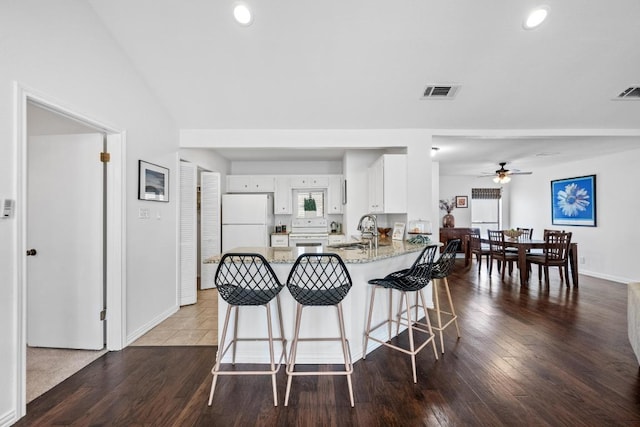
[65, 228]
[188, 233]
[209, 225]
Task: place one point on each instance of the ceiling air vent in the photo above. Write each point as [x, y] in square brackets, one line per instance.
[443, 91]
[631, 93]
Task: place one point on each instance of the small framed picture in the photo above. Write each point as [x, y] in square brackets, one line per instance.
[153, 182]
[462, 202]
[398, 231]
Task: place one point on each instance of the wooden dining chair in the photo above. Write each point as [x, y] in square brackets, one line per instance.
[527, 232]
[479, 249]
[498, 252]
[554, 254]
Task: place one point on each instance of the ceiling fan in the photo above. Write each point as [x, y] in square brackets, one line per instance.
[502, 175]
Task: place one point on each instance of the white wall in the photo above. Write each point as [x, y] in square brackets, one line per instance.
[609, 249]
[61, 51]
[451, 186]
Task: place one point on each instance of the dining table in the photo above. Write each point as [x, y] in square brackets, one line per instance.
[524, 245]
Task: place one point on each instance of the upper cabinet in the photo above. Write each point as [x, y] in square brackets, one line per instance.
[335, 194]
[250, 183]
[319, 181]
[283, 185]
[282, 196]
[388, 184]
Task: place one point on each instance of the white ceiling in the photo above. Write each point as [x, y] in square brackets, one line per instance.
[306, 64]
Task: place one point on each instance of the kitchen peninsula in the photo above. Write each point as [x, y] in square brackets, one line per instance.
[362, 264]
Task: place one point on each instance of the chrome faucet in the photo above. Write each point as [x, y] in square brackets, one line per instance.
[368, 228]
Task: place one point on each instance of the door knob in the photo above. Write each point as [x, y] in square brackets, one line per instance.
[31, 252]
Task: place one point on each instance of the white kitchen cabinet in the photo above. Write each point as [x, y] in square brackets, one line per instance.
[388, 184]
[279, 240]
[335, 195]
[320, 181]
[335, 239]
[282, 196]
[250, 184]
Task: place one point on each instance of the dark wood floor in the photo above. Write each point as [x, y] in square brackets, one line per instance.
[531, 355]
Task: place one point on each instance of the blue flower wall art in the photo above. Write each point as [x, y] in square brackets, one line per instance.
[573, 201]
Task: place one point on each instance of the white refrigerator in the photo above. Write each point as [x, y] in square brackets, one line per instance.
[247, 220]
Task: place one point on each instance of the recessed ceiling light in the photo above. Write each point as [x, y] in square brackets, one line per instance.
[536, 17]
[242, 14]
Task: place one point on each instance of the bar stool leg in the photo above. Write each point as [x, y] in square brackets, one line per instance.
[429, 328]
[235, 336]
[219, 354]
[436, 300]
[411, 343]
[271, 356]
[345, 350]
[390, 312]
[399, 313]
[453, 310]
[366, 334]
[292, 353]
[284, 341]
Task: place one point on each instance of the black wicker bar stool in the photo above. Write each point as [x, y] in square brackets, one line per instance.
[439, 273]
[319, 280]
[247, 279]
[409, 281]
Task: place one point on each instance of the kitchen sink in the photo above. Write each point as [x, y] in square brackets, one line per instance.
[351, 245]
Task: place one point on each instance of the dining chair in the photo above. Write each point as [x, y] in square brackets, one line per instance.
[479, 249]
[527, 232]
[243, 280]
[554, 254]
[498, 252]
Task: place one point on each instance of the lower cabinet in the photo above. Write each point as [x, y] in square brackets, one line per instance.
[279, 240]
[335, 239]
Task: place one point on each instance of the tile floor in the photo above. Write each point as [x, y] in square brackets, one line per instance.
[195, 324]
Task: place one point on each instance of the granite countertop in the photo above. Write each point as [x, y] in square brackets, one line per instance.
[350, 255]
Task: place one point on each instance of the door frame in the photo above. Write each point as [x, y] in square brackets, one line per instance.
[115, 221]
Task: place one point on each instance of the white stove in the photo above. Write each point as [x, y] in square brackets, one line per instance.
[309, 232]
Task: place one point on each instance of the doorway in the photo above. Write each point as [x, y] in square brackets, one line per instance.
[114, 260]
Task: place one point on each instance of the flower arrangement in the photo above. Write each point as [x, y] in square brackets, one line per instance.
[448, 205]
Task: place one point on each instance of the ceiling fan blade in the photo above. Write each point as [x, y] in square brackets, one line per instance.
[519, 173]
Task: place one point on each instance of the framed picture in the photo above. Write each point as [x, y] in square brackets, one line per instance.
[398, 231]
[153, 182]
[573, 201]
[462, 202]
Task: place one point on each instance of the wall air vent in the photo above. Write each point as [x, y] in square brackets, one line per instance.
[631, 93]
[440, 91]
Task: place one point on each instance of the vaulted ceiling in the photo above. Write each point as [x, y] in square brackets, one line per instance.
[306, 64]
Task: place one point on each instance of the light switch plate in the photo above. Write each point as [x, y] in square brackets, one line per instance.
[144, 213]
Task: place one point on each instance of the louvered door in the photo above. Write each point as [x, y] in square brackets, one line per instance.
[188, 233]
[210, 226]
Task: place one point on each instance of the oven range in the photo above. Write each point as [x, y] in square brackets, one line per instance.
[309, 232]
